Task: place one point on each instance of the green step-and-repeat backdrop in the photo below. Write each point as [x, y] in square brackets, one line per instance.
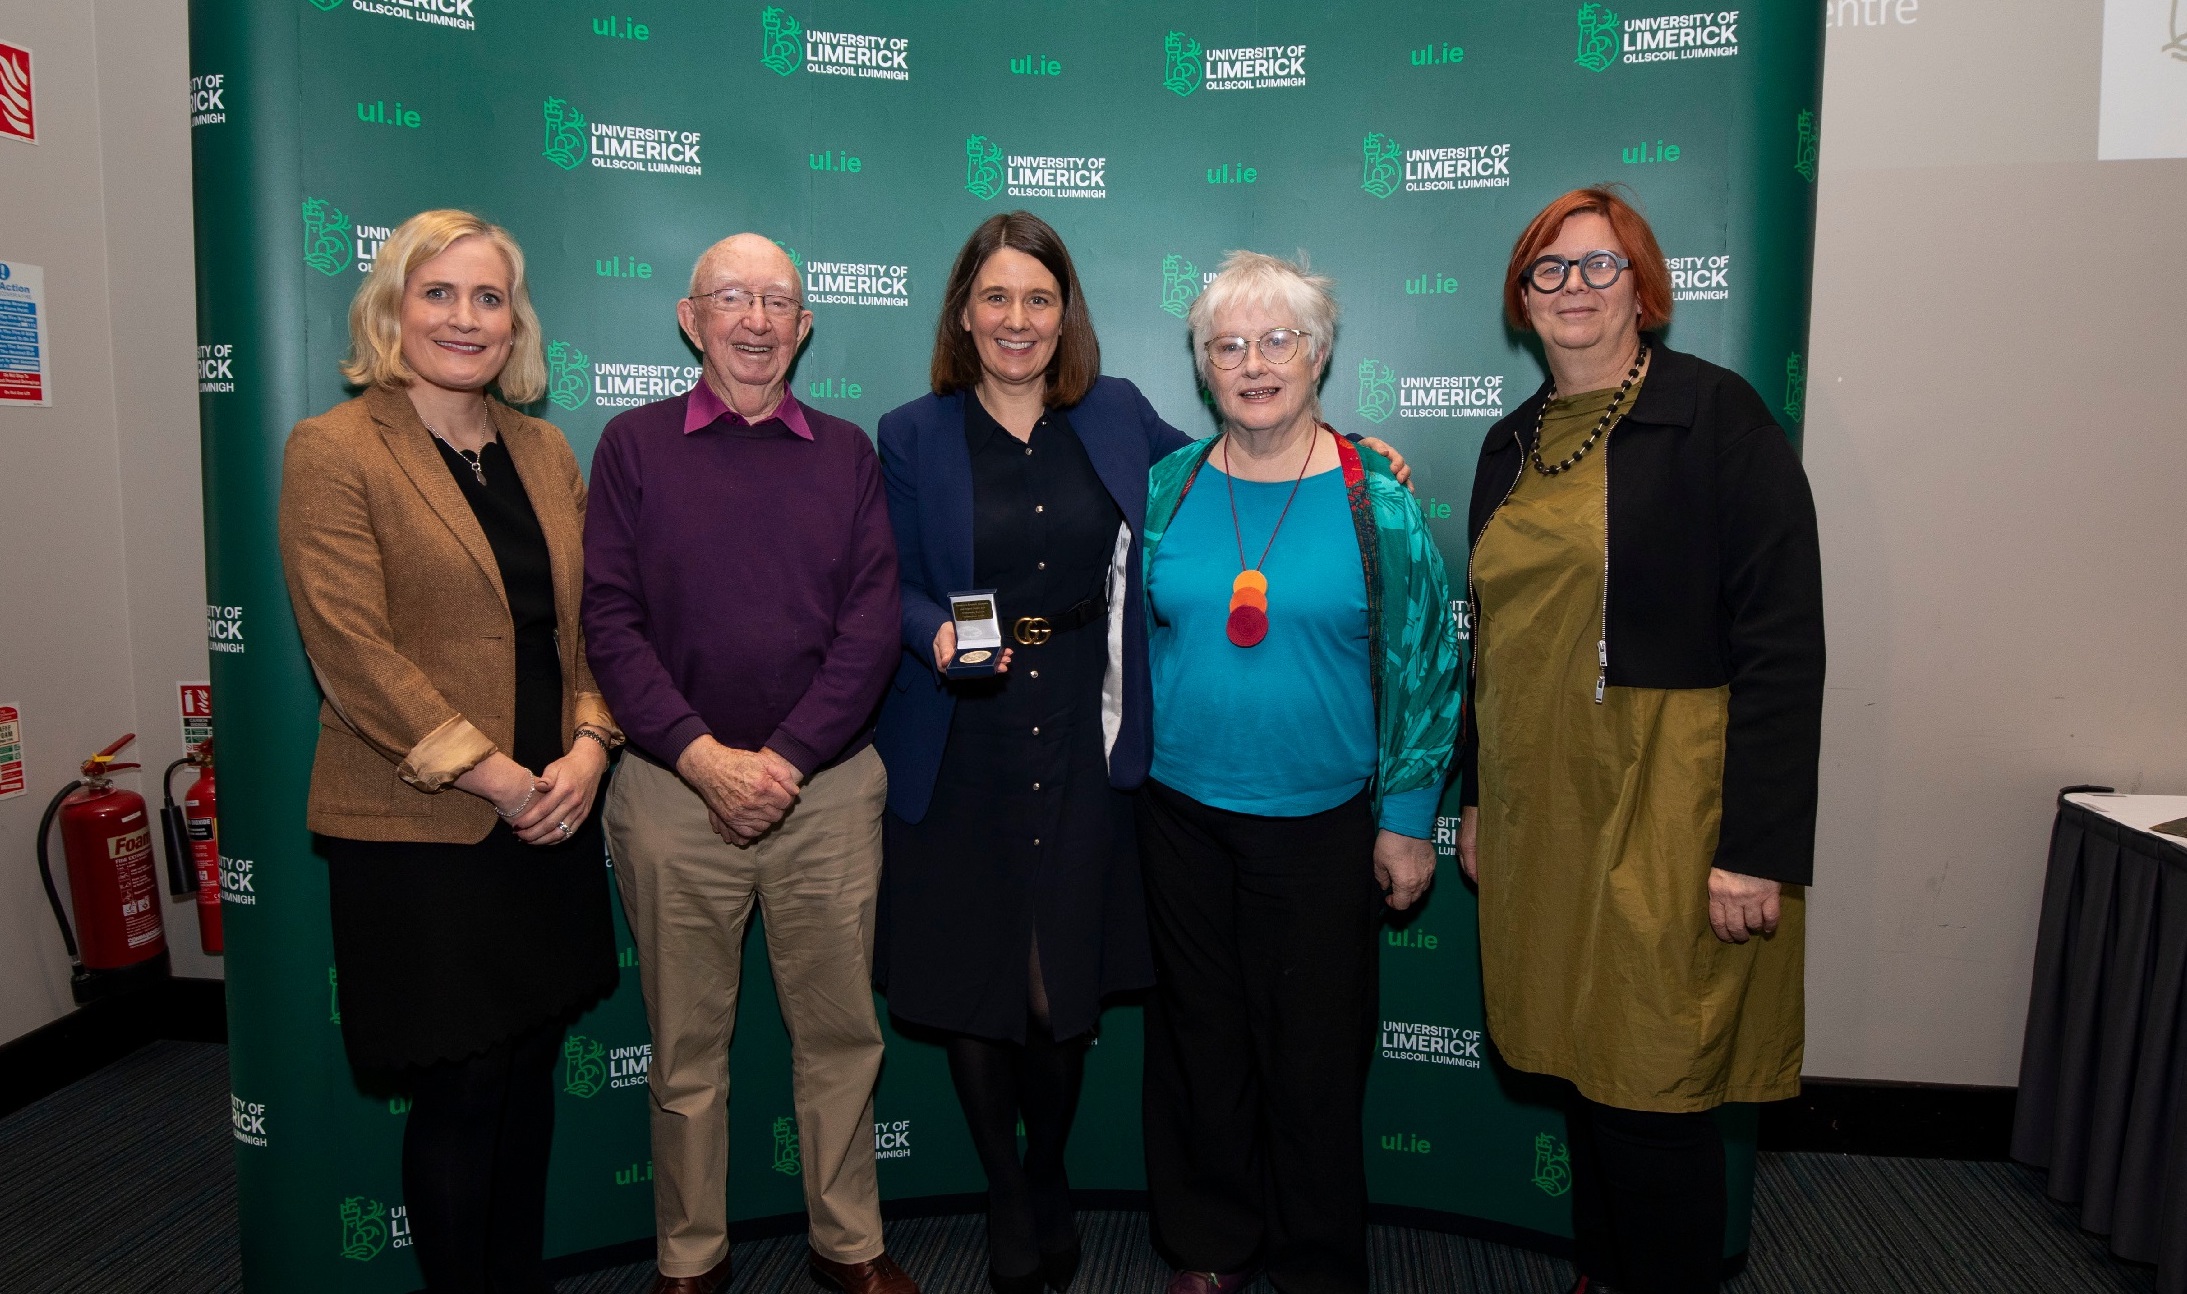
[1401, 145]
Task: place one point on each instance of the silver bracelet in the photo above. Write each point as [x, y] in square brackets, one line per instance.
[605, 749]
[521, 805]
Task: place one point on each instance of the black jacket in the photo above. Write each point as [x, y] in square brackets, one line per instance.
[1715, 578]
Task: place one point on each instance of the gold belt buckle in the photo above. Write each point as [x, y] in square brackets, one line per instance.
[1032, 630]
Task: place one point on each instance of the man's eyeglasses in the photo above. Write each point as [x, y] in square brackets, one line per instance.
[736, 301]
[1598, 270]
[1277, 345]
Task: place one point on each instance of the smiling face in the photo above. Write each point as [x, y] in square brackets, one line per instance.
[457, 326]
[751, 349]
[1015, 316]
[1578, 317]
[1258, 395]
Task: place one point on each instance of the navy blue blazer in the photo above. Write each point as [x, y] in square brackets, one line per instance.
[928, 470]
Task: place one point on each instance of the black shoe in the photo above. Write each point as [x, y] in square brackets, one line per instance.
[1029, 1283]
[1060, 1267]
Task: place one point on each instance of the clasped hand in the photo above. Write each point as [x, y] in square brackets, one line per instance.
[538, 808]
[746, 791]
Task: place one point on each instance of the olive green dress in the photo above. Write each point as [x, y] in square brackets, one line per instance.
[1598, 826]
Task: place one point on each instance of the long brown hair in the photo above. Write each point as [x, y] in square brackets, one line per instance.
[1077, 360]
[1651, 277]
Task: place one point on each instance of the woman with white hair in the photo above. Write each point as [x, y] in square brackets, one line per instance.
[1306, 701]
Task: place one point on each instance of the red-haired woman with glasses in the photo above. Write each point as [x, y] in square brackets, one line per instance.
[1639, 783]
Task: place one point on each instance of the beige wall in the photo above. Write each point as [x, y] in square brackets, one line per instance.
[101, 557]
[1998, 451]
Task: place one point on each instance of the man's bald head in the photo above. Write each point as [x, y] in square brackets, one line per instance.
[746, 261]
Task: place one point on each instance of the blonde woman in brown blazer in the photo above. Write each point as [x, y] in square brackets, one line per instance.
[432, 538]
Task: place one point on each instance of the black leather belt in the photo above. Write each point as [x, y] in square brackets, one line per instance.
[1032, 631]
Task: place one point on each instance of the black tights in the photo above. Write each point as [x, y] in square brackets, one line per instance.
[1000, 1083]
[474, 1166]
[1648, 1198]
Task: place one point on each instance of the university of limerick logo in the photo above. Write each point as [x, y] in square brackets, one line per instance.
[1810, 144]
[786, 1159]
[1181, 67]
[780, 48]
[584, 1069]
[1552, 1165]
[1180, 284]
[1795, 387]
[326, 237]
[1597, 37]
[982, 167]
[569, 380]
[1378, 164]
[364, 1228]
[326, 6]
[334, 997]
[1377, 390]
[565, 134]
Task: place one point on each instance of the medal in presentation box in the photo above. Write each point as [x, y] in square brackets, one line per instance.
[979, 634]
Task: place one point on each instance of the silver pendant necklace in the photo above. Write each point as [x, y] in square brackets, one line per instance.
[469, 456]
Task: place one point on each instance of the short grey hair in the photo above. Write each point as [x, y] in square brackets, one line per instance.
[1256, 278]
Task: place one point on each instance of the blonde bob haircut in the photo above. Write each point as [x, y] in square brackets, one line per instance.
[1255, 278]
[375, 314]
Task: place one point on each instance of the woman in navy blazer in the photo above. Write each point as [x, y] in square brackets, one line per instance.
[1010, 901]
[1010, 898]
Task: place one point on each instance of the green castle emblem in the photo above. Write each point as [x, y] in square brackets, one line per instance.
[781, 47]
[1180, 284]
[982, 167]
[1181, 66]
[364, 1228]
[1809, 146]
[786, 1157]
[326, 6]
[584, 1069]
[1378, 156]
[326, 241]
[565, 134]
[1597, 37]
[1552, 1165]
[797, 262]
[1377, 390]
[1795, 387]
[569, 375]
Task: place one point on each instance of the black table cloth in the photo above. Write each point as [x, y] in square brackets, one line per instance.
[2103, 1072]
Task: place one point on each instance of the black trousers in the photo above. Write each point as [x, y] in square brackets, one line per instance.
[1259, 1034]
[1647, 1198]
[474, 1166]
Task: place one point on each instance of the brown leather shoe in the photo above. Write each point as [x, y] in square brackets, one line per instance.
[712, 1281]
[877, 1275]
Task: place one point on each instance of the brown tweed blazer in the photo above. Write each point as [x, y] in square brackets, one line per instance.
[399, 601]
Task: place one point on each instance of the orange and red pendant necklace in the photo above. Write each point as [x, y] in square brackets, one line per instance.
[1248, 622]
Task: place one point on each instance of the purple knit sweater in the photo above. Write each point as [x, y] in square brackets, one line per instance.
[740, 580]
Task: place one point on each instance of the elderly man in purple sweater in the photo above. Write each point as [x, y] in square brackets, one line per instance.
[740, 614]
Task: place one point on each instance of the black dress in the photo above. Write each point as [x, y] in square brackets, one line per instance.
[1024, 835]
[440, 950]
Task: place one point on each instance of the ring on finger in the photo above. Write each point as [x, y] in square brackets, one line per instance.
[564, 828]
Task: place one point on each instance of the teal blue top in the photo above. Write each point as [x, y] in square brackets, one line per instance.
[1286, 728]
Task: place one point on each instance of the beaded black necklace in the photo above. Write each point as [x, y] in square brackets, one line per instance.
[1609, 416]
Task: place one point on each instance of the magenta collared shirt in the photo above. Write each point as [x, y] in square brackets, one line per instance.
[704, 407]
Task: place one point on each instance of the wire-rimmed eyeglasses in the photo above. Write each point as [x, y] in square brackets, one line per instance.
[1277, 346]
[736, 301]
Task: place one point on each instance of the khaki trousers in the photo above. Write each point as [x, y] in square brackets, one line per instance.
[688, 897]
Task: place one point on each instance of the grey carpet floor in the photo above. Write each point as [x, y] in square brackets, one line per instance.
[125, 1184]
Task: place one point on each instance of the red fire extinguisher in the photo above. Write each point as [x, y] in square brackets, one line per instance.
[107, 838]
[192, 830]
